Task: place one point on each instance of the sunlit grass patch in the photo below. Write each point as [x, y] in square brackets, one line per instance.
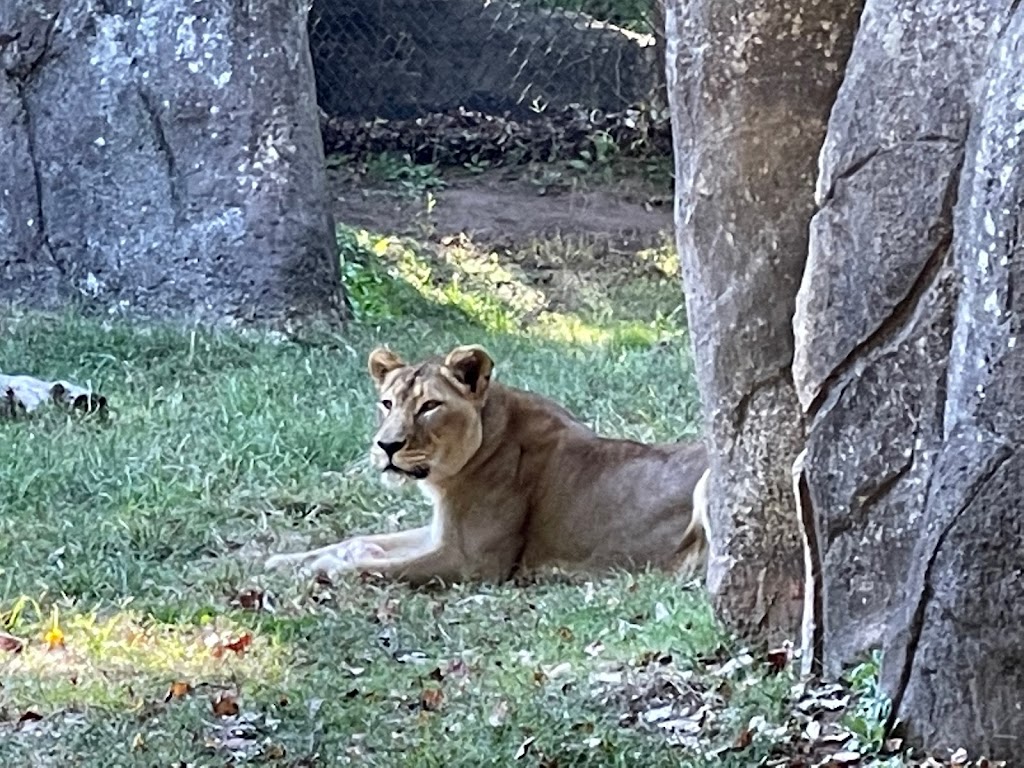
[124, 659]
[390, 277]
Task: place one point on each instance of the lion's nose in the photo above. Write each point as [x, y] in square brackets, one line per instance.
[391, 448]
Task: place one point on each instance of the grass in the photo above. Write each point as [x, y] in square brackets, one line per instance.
[131, 550]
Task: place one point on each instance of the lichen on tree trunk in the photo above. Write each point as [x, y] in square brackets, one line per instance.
[163, 159]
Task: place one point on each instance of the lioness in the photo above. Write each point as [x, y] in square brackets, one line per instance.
[516, 482]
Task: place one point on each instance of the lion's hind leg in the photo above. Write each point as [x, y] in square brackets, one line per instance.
[693, 551]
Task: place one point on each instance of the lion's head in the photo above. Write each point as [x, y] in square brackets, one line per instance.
[429, 413]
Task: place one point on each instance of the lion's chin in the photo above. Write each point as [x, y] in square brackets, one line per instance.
[394, 479]
[396, 476]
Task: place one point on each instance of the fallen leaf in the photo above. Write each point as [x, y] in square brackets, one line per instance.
[843, 758]
[498, 715]
[178, 689]
[594, 649]
[556, 671]
[54, 638]
[743, 738]
[778, 658]
[656, 714]
[733, 665]
[251, 599]
[240, 745]
[456, 669]
[431, 699]
[218, 644]
[29, 716]
[10, 643]
[524, 747]
[565, 633]
[681, 725]
[387, 610]
[239, 645]
[661, 612]
[225, 704]
[273, 751]
[958, 759]
[893, 745]
[138, 743]
[409, 657]
[829, 704]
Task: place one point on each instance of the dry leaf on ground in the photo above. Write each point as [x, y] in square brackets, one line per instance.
[432, 699]
[10, 643]
[177, 690]
[225, 704]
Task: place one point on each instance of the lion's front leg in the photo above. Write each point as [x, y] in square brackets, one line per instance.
[358, 553]
[334, 558]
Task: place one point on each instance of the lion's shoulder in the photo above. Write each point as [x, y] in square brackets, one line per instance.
[516, 413]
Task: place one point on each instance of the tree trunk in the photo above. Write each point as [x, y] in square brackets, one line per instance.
[875, 308]
[957, 671]
[751, 83]
[164, 159]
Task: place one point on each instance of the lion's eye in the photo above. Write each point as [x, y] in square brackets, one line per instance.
[430, 405]
[386, 405]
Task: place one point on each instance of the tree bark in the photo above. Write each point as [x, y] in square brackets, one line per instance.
[163, 159]
[906, 363]
[956, 670]
[751, 83]
[875, 308]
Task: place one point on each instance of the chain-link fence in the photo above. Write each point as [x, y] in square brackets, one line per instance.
[403, 64]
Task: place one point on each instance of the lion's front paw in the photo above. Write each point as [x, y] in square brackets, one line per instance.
[359, 550]
[350, 555]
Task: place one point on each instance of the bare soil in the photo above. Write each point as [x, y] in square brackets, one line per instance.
[509, 208]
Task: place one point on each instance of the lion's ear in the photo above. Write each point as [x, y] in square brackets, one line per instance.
[472, 366]
[382, 362]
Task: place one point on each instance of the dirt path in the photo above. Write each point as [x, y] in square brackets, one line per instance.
[509, 209]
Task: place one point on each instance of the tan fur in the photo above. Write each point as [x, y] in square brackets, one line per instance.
[517, 483]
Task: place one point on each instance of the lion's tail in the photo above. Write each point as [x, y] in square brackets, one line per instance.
[693, 549]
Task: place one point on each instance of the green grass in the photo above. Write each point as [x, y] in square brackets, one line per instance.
[140, 538]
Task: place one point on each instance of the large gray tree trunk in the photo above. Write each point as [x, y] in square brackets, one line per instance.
[163, 158]
[957, 670]
[874, 313]
[907, 367]
[751, 83]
